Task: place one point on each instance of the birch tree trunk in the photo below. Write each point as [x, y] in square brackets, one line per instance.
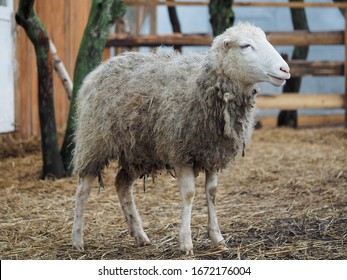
[103, 14]
[27, 18]
[61, 70]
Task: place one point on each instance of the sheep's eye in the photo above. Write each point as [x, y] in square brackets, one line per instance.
[244, 46]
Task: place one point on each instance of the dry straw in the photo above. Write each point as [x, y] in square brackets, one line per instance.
[286, 199]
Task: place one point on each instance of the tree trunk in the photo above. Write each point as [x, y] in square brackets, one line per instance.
[221, 15]
[175, 23]
[290, 117]
[26, 17]
[103, 14]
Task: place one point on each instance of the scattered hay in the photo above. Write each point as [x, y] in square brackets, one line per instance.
[11, 147]
[286, 199]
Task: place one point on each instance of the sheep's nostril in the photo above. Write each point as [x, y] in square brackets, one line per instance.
[284, 69]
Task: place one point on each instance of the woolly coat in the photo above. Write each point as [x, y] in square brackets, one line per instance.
[158, 110]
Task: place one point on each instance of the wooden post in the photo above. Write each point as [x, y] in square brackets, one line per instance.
[345, 41]
[139, 15]
[175, 23]
[120, 28]
[153, 27]
[153, 22]
[290, 117]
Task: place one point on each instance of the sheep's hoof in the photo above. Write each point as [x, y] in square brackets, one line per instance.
[187, 250]
[142, 241]
[189, 253]
[78, 247]
[220, 246]
[186, 244]
[77, 241]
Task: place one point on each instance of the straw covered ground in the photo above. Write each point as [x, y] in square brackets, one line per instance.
[286, 199]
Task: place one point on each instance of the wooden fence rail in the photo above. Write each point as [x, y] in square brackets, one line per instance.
[239, 4]
[296, 38]
[300, 68]
[301, 101]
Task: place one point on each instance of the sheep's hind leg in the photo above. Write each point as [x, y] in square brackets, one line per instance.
[82, 194]
[185, 177]
[124, 183]
[213, 230]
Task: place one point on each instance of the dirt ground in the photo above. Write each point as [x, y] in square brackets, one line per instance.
[286, 199]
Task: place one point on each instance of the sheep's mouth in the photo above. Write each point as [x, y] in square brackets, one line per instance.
[277, 81]
[277, 78]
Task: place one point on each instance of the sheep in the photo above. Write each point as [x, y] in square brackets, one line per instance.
[186, 113]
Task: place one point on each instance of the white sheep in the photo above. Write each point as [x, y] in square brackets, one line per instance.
[184, 113]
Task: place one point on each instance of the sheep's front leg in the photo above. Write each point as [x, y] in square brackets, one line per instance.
[213, 226]
[82, 194]
[124, 183]
[185, 177]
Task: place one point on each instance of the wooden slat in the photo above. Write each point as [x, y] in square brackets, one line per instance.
[106, 54]
[50, 15]
[124, 40]
[169, 3]
[153, 23]
[307, 120]
[305, 38]
[77, 16]
[296, 38]
[23, 85]
[299, 68]
[238, 4]
[300, 101]
[23, 91]
[320, 120]
[291, 4]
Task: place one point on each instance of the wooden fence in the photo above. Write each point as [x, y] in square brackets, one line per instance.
[298, 67]
[65, 21]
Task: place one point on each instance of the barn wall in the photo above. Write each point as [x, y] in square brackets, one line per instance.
[65, 21]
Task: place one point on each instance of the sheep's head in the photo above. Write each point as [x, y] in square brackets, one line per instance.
[244, 48]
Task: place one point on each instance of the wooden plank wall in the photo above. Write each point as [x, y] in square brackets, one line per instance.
[65, 21]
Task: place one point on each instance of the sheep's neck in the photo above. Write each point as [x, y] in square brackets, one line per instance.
[228, 102]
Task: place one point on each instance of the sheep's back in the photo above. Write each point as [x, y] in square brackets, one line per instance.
[118, 106]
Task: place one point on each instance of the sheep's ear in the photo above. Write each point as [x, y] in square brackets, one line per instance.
[226, 44]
